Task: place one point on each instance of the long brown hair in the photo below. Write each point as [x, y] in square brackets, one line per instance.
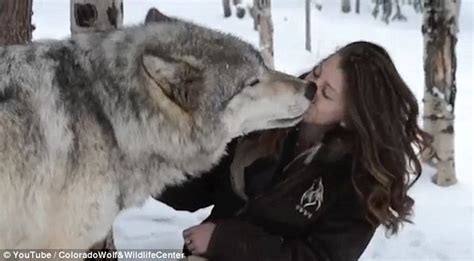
[381, 113]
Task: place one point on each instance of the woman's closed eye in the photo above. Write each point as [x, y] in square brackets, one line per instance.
[325, 95]
[325, 92]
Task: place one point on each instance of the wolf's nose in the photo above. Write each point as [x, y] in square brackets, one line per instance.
[310, 91]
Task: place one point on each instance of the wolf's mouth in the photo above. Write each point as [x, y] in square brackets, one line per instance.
[288, 121]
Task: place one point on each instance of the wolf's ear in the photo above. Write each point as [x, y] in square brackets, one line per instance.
[179, 79]
[171, 70]
[160, 69]
[154, 15]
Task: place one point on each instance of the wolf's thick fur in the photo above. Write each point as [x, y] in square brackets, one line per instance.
[95, 124]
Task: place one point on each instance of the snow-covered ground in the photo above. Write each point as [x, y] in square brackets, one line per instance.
[443, 221]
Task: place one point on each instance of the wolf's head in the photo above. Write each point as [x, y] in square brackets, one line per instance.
[216, 80]
[180, 91]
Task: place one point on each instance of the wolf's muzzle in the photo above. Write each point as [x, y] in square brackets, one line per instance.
[311, 89]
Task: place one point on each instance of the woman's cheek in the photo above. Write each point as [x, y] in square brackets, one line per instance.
[311, 115]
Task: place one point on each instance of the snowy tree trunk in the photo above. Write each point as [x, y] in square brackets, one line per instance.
[266, 31]
[440, 36]
[308, 24]
[346, 6]
[226, 6]
[357, 4]
[15, 21]
[95, 15]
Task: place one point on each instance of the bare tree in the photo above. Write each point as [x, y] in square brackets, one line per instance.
[418, 6]
[15, 21]
[95, 15]
[387, 10]
[398, 15]
[439, 30]
[357, 8]
[308, 24]
[264, 10]
[375, 11]
[346, 6]
[226, 6]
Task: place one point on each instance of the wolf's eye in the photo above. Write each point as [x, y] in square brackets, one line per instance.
[254, 82]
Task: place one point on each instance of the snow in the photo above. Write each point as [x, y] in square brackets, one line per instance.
[442, 226]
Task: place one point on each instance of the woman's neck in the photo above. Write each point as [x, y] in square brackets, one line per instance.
[308, 136]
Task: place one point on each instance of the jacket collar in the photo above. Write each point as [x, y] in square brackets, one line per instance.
[332, 148]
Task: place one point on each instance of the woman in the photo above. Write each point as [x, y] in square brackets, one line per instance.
[317, 191]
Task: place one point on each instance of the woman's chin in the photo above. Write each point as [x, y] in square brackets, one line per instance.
[309, 119]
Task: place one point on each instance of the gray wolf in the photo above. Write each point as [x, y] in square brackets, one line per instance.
[96, 123]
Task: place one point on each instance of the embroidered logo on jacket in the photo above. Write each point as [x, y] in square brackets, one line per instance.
[311, 198]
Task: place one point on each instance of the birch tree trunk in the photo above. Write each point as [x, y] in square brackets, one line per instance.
[265, 26]
[15, 21]
[346, 6]
[439, 30]
[308, 24]
[89, 16]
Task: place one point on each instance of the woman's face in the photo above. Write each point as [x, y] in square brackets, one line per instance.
[327, 107]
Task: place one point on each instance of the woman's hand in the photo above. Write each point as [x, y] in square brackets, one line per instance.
[197, 237]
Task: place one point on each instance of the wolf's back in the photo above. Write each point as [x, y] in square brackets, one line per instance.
[32, 108]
